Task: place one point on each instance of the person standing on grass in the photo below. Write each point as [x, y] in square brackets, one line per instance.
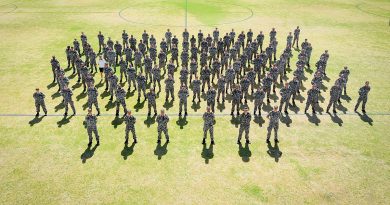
[90, 121]
[245, 121]
[162, 125]
[273, 117]
[297, 31]
[363, 96]
[208, 118]
[130, 121]
[39, 98]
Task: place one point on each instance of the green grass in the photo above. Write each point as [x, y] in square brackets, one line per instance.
[328, 163]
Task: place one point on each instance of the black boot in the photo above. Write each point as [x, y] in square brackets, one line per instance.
[248, 142]
[212, 142]
[204, 141]
[98, 143]
[36, 115]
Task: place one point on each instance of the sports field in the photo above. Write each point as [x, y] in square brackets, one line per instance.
[343, 159]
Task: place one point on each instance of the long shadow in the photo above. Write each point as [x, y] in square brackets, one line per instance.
[150, 120]
[77, 85]
[294, 108]
[267, 107]
[139, 105]
[336, 119]
[182, 121]
[365, 118]
[319, 109]
[321, 98]
[285, 119]
[235, 120]
[59, 107]
[258, 119]
[274, 97]
[313, 119]
[300, 98]
[55, 95]
[72, 76]
[221, 106]
[168, 104]
[195, 106]
[161, 150]
[346, 98]
[88, 153]
[51, 85]
[342, 108]
[244, 152]
[81, 96]
[127, 151]
[274, 152]
[105, 94]
[35, 120]
[117, 121]
[85, 105]
[207, 153]
[326, 78]
[110, 105]
[65, 120]
[100, 84]
[130, 94]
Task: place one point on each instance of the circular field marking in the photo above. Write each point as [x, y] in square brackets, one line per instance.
[7, 8]
[360, 7]
[160, 14]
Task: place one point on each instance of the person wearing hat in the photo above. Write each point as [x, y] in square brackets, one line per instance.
[39, 98]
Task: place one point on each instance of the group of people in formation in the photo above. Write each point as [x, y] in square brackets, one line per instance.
[240, 65]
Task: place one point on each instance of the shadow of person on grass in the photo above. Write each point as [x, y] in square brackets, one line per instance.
[130, 94]
[110, 105]
[105, 94]
[168, 104]
[365, 118]
[55, 95]
[88, 153]
[235, 120]
[161, 150]
[207, 153]
[342, 108]
[346, 98]
[117, 121]
[81, 96]
[221, 106]
[35, 120]
[244, 152]
[285, 119]
[182, 121]
[51, 85]
[195, 106]
[127, 151]
[274, 152]
[258, 119]
[100, 84]
[65, 120]
[139, 105]
[313, 119]
[335, 118]
[150, 120]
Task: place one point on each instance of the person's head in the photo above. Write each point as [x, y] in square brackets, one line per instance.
[275, 108]
[54, 57]
[37, 89]
[286, 85]
[246, 110]
[151, 90]
[89, 111]
[91, 85]
[208, 109]
[297, 26]
[261, 32]
[106, 65]
[100, 32]
[162, 112]
[314, 86]
[289, 33]
[326, 51]
[144, 31]
[170, 76]
[128, 112]
[367, 83]
[345, 67]
[168, 29]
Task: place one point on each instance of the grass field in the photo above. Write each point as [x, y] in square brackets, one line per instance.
[322, 160]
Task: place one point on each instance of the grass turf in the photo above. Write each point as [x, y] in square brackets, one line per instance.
[343, 161]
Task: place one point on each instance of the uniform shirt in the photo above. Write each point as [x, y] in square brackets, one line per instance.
[67, 94]
[274, 117]
[230, 74]
[293, 85]
[196, 85]
[296, 32]
[251, 75]
[335, 93]
[156, 73]
[120, 94]
[131, 73]
[259, 96]
[169, 83]
[245, 119]
[113, 81]
[183, 94]
[221, 84]
[284, 93]
[208, 118]
[91, 121]
[162, 121]
[141, 81]
[151, 98]
[260, 38]
[210, 95]
[245, 84]
[205, 74]
[236, 95]
[194, 67]
[183, 74]
[92, 94]
[267, 82]
[363, 91]
[312, 95]
[130, 121]
[39, 97]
